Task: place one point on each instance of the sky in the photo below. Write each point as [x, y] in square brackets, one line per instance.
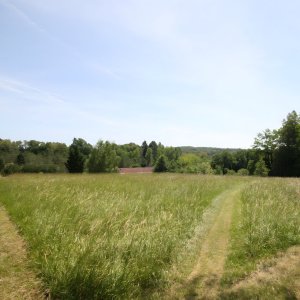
[180, 72]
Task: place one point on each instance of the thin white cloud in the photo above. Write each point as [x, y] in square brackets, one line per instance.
[81, 58]
[32, 96]
[28, 91]
[22, 15]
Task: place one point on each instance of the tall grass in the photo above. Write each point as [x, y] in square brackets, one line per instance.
[267, 221]
[107, 236]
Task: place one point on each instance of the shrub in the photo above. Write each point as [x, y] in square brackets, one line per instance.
[243, 172]
[230, 172]
[47, 168]
[161, 164]
[261, 169]
[10, 168]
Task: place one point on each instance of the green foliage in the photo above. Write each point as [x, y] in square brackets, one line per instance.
[287, 156]
[9, 151]
[149, 157]
[281, 148]
[154, 148]
[267, 142]
[79, 151]
[144, 149]
[218, 170]
[261, 168]
[34, 155]
[103, 158]
[224, 160]
[20, 159]
[230, 172]
[243, 172]
[267, 220]
[192, 163]
[1, 164]
[209, 151]
[129, 155]
[44, 168]
[161, 164]
[10, 168]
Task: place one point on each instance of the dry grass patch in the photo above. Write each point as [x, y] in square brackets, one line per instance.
[275, 278]
[17, 281]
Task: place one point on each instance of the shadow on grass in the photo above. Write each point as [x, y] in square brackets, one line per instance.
[201, 287]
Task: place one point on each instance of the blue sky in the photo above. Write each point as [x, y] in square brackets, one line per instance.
[193, 72]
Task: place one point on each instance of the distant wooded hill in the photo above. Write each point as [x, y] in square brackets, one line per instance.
[210, 151]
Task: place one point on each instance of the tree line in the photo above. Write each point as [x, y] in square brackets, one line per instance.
[274, 153]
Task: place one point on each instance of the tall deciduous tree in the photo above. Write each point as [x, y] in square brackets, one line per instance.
[287, 156]
[267, 142]
[149, 157]
[261, 168]
[103, 158]
[154, 147]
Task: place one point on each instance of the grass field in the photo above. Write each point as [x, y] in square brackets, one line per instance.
[266, 221]
[138, 236]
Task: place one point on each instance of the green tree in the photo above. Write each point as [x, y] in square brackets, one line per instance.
[172, 154]
[144, 149]
[154, 148]
[240, 159]
[9, 151]
[1, 164]
[161, 164]
[149, 157]
[103, 158]
[261, 168]
[287, 156]
[266, 143]
[79, 151]
[20, 159]
[223, 161]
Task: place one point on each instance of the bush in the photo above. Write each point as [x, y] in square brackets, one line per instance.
[9, 169]
[48, 168]
[243, 172]
[161, 164]
[218, 170]
[261, 168]
[230, 172]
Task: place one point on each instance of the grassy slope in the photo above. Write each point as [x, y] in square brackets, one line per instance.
[266, 222]
[111, 236]
[107, 236]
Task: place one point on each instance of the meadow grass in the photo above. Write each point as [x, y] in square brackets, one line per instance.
[266, 221]
[107, 236]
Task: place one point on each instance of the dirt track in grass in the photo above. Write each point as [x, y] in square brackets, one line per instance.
[204, 279]
[17, 281]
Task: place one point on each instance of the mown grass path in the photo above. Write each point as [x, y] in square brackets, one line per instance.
[17, 281]
[203, 281]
